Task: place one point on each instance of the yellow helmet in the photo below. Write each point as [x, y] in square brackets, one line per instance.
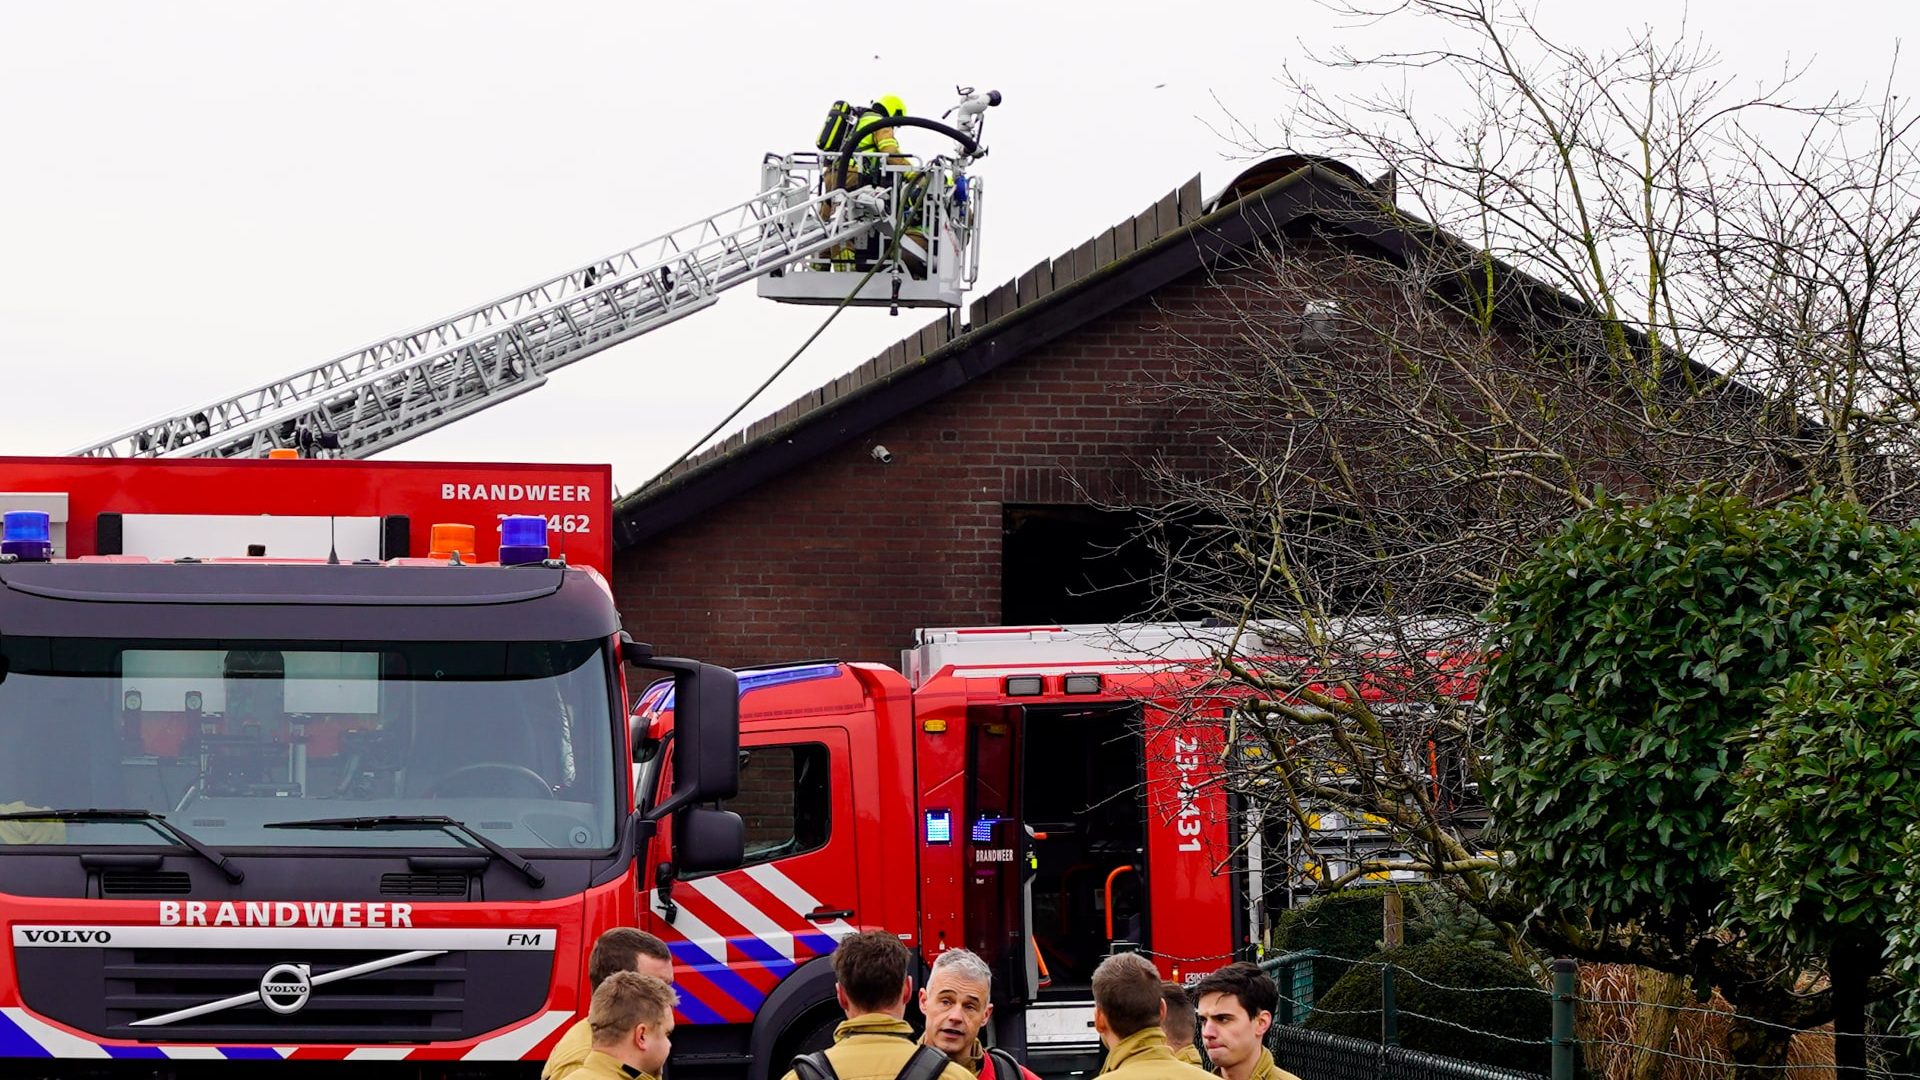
[891, 104]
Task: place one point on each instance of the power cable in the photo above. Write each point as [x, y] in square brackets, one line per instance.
[782, 369]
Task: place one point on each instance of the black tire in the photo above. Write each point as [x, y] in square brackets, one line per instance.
[807, 1034]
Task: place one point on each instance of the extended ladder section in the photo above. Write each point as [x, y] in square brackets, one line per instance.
[902, 227]
[392, 390]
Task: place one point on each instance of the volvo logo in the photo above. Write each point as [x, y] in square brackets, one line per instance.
[284, 988]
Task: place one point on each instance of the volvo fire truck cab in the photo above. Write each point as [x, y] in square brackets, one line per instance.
[319, 760]
[1036, 795]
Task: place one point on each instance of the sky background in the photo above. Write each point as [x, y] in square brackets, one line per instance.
[196, 198]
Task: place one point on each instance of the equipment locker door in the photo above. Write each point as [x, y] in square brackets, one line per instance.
[734, 935]
[997, 848]
[1189, 845]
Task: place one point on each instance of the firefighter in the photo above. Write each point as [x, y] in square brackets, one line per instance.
[1127, 1007]
[1178, 1025]
[632, 1018]
[874, 1042]
[957, 1003]
[620, 949]
[1236, 1009]
[842, 125]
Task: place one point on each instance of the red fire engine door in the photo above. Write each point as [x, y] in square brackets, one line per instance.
[999, 853]
[1088, 869]
[735, 935]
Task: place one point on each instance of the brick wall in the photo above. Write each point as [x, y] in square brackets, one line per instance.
[844, 556]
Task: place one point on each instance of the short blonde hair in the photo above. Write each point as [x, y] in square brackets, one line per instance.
[626, 1000]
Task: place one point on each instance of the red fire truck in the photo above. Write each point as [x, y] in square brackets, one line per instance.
[320, 760]
[1029, 793]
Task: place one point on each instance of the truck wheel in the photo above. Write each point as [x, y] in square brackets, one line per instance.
[809, 1033]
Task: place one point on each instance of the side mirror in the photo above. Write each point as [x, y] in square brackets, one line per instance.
[706, 733]
[708, 839]
[634, 652]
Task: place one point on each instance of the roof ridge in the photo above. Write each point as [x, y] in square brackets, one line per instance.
[1169, 213]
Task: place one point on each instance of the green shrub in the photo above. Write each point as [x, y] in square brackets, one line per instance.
[1344, 923]
[1440, 916]
[1629, 672]
[1480, 990]
[1347, 925]
[1344, 926]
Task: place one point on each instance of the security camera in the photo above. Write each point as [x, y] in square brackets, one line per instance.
[1320, 323]
[881, 454]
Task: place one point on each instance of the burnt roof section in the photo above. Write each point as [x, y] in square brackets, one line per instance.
[303, 602]
[1169, 239]
[1166, 216]
[1158, 246]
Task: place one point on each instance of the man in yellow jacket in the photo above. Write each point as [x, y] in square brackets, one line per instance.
[958, 1002]
[632, 1018]
[620, 949]
[1236, 1009]
[874, 1042]
[1127, 1006]
[1179, 1025]
[862, 171]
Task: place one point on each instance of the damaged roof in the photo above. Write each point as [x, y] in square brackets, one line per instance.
[1174, 236]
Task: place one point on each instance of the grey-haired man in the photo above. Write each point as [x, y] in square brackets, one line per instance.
[957, 1002]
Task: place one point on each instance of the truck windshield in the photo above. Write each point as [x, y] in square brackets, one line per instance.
[515, 739]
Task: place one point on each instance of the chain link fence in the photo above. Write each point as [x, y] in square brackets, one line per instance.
[1330, 1055]
[1604, 1022]
[1321, 1055]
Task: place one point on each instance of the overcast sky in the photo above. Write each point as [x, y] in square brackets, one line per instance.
[196, 198]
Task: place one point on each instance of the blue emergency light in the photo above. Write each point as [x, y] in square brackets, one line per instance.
[523, 539]
[25, 535]
[760, 680]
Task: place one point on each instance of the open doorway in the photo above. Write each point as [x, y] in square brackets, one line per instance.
[1081, 782]
[1075, 564]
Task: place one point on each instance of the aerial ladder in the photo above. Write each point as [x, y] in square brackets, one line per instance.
[836, 227]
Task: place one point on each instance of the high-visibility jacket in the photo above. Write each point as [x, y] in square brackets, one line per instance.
[874, 1047]
[599, 1066]
[1265, 1069]
[977, 1061]
[1144, 1055]
[879, 140]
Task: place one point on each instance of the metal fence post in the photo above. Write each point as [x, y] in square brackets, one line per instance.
[1293, 972]
[1389, 1010]
[1565, 972]
[1288, 1010]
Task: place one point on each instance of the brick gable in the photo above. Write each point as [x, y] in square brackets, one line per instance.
[844, 556]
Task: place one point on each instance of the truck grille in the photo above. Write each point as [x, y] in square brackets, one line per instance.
[449, 996]
[424, 885]
[422, 999]
[145, 883]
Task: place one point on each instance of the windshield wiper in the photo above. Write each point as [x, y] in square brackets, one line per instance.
[159, 821]
[421, 821]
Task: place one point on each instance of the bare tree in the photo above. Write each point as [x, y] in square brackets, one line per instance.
[1622, 273]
